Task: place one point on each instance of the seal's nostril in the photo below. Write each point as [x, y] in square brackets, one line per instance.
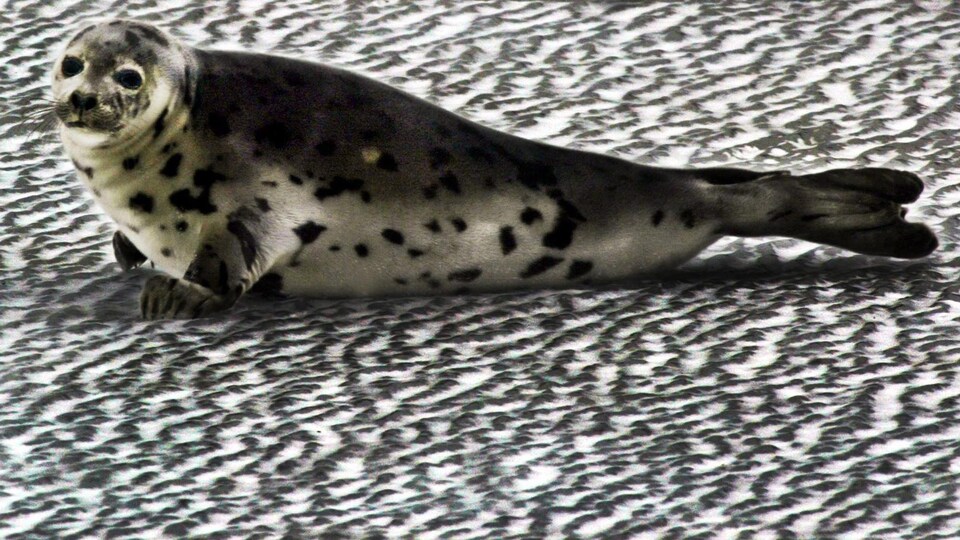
[81, 102]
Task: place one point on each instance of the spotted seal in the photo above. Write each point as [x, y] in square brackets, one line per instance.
[233, 170]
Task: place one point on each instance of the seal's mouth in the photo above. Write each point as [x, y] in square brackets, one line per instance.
[95, 120]
[92, 123]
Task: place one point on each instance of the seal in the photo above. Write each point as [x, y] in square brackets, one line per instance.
[233, 170]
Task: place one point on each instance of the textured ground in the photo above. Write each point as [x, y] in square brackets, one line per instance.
[774, 389]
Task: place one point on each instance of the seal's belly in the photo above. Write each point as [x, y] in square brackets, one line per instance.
[405, 246]
[503, 239]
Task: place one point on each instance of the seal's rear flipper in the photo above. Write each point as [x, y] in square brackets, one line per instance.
[856, 209]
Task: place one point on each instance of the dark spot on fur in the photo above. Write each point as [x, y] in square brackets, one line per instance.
[166, 252]
[145, 57]
[400, 281]
[184, 201]
[132, 40]
[248, 243]
[326, 148]
[131, 162]
[443, 131]
[152, 34]
[433, 282]
[187, 87]
[159, 124]
[275, 134]
[450, 181]
[337, 186]
[775, 215]
[508, 242]
[689, 220]
[459, 224]
[166, 148]
[309, 231]
[365, 196]
[218, 124]
[262, 204]
[269, 183]
[207, 177]
[387, 162]
[433, 226]
[182, 226]
[296, 179]
[540, 266]
[430, 192]
[142, 202]
[534, 175]
[657, 217]
[479, 154]
[565, 206]
[812, 217]
[468, 128]
[293, 78]
[269, 284]
[579, 268]
[79, 36]
[334, 248]
[393, 236]
[465, 276]
[724, 175]
[172, 167]
[530, 215]
[357, 100]
[562, 234]
[439, 158]
[361, 250]
[414, 253]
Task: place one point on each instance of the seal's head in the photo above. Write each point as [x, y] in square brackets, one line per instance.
[115, 79]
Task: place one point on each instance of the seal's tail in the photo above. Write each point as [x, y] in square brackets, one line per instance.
[856, 209]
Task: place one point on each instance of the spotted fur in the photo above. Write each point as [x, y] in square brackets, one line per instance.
[308, 179]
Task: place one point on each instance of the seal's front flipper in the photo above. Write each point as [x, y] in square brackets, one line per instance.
[166, 297]
[227, 264]
[856, 209]
[206, 288]
[126, 253]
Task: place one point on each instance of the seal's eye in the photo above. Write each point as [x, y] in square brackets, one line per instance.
[71, 66]
[128, 78]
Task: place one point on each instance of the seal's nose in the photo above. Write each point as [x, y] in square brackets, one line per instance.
[83, 102]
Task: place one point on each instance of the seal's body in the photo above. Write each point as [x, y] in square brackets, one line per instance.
[230, 169]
